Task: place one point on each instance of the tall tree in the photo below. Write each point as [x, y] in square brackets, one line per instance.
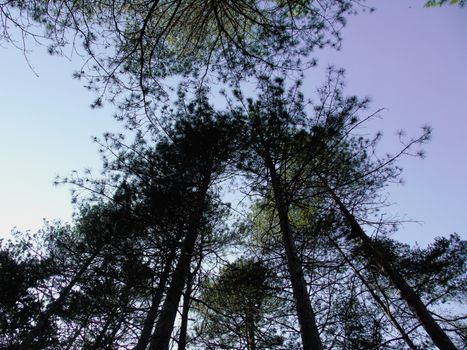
[198, 155]
[272, 121]
[20, 273]
[356, 177]
[73, 253]
[141, 238]
[316, 157]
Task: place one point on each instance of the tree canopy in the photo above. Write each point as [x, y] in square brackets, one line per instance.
[130, 47]
[145, 263]
[156, 257]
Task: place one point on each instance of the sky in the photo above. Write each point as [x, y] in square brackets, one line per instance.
[408, 59]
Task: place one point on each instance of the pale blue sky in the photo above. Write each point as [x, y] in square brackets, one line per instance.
[408, 59]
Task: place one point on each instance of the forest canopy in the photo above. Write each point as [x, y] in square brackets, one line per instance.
[146, 261]
[156, 257]
[129, 48]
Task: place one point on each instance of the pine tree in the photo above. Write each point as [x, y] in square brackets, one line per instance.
[233, 307]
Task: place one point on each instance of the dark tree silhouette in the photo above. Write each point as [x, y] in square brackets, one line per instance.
[150, 230]
[295, 158]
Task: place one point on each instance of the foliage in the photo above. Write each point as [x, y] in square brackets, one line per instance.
[300, 163]
[154, 228]
[131, 47]
[17, 302]
[234, 308]
[436, 3]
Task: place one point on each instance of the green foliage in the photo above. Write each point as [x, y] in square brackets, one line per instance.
[234, 308]
[154, 226]
[131, 47]
[361, 329]
[438, 271]
[439, 3]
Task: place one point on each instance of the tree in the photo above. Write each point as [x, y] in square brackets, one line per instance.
[436, 273]
[125, 262]
[360, 187]
[371, 251]
[232, 308]
[172, 183]
[19, 273]
[130, 47]
[147, 228]
[73, 254]
[200, 151]
[316, 160]
[271, 122]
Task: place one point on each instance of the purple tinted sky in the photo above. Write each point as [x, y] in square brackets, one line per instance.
[408, 59]
[412, 61]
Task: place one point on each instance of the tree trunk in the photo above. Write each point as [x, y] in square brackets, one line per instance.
[306, 317]
[98, 341]
[75, 336]
[144, 338]
[186, 308]
[250, 332]
[55, 306]
[113, 334]
[378, 300]
[182, 341]
[378, 256]
[165, 323]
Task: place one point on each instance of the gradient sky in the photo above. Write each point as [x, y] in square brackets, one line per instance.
[408, 59]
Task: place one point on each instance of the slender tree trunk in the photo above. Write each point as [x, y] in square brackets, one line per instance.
[156, 299]
[436, 333]
[165, 323]
[113, 334]
[98, 341]
[182, 341]
[164, 327]
[306, 317]
[55, 306]
[250, 332]
[75, 336]
[186, 308]
[378, 300]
